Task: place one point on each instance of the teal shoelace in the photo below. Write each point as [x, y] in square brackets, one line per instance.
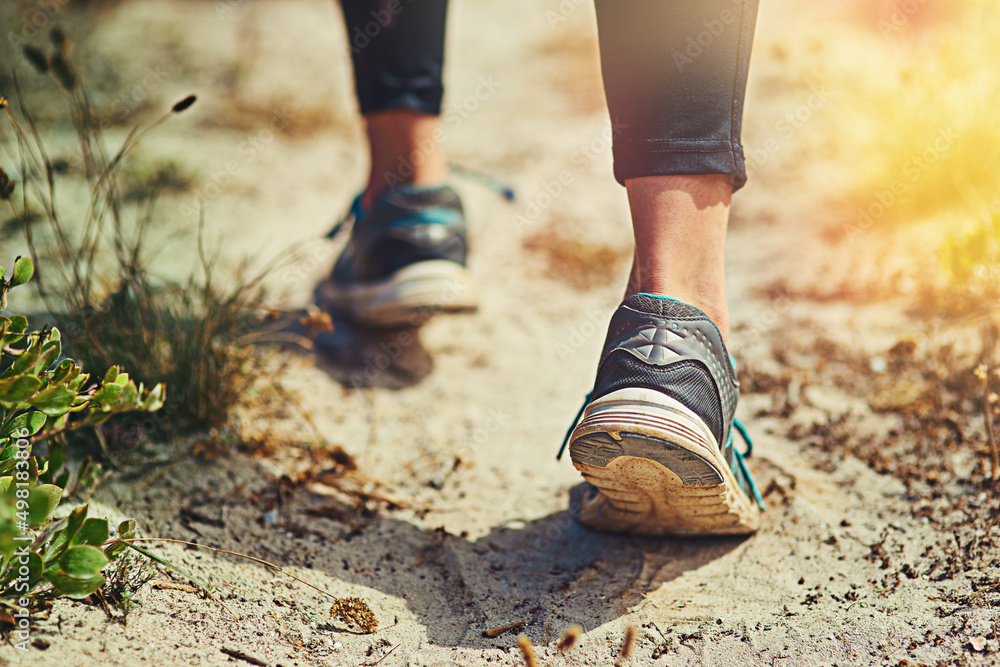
[740, 456]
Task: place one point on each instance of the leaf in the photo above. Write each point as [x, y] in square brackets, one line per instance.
[93, 532]
[106, 395]
[23, 270]
[126, 531]
[42, 502]
[5, 484]
[16, 389]
[54, 400]
[18, 324]
[50, 352]
[75, 589]
[27, 358]
[83, 561]
[63, 536]
[77, 383]
[54, 423]
[65, 371]
[154, 400]
[25, 424]
[56, 458]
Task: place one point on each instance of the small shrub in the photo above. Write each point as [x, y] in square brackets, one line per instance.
[39, 391]
[192, 335]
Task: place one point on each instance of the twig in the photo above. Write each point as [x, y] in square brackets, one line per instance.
[510, 627]
[527, 651]
[372, 664]
[171, 586]
[254, 559]
[246, 657]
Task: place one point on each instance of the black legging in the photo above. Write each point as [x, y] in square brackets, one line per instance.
[675, 74]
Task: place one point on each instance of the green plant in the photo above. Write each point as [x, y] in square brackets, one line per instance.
[192, 334]
[39, 391]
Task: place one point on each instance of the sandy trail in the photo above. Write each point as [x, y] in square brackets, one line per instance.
[489, 541]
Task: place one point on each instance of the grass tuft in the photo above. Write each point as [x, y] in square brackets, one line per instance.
[96, 282]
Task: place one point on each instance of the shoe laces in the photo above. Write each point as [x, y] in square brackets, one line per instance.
[353, 215]
[741, 459]
[740, 456]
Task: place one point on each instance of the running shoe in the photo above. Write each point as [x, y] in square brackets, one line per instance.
[405, 259]
[656, 438]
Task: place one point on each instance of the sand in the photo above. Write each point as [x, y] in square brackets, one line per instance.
[461, 423]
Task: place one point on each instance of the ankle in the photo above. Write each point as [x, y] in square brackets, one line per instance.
[404, 148]
[713, 305]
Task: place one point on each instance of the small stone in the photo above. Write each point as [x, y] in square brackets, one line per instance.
[977, 643]
[337, 646]
[878, 365]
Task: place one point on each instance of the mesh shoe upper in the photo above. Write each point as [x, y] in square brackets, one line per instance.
[404, 226]
[663, 344]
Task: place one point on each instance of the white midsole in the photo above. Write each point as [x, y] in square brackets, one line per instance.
[430, 285]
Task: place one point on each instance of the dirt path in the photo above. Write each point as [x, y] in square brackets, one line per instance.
[461, 422]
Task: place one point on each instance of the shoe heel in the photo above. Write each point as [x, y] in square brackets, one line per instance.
[657, 468]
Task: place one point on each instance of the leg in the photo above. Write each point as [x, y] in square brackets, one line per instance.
[674, 76]
[655, 440]
[398, 55]
[406, 256]
[680, 238]
[403, 146]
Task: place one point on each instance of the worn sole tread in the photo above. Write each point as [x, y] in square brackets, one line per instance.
[657, 470]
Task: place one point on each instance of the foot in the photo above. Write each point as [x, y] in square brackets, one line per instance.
[655, 441]
[405, 260]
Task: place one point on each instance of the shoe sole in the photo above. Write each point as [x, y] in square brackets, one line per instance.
[657, 469]
[406, 298]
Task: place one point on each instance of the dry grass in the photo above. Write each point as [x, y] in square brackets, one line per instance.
[95, 278]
